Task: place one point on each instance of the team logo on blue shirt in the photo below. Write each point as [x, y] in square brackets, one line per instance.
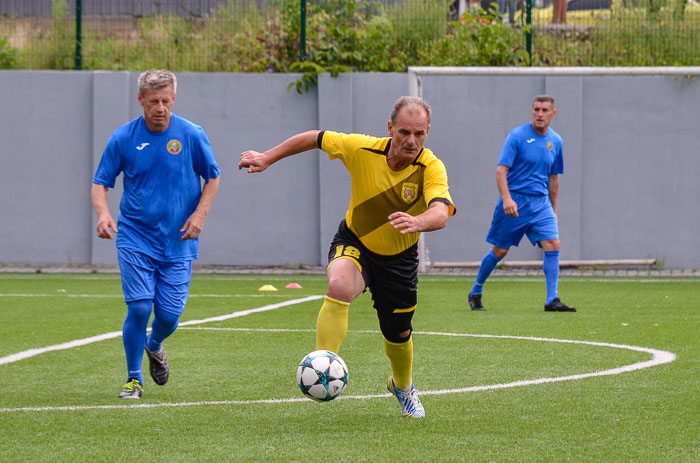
[174, 146]
[409, 192]
[550, 146]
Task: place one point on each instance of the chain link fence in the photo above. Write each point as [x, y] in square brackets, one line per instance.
[334, 35]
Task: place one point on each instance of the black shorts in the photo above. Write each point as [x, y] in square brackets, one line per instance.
[392, 280]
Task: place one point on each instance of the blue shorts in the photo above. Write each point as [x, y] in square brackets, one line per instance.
[146, 278]
[535, 219]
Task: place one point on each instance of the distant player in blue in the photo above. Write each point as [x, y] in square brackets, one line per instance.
[528, 180]
[164, 159]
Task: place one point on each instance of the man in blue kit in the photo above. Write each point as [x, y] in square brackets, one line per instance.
[528, 181]
[163, 158]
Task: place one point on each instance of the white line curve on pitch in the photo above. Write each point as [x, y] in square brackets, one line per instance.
[115, 334]
[659, 357]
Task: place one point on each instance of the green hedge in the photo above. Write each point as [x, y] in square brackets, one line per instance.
[355, 35]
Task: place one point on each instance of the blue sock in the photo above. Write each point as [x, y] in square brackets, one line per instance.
[488, 263]
[550, 265]
[163, 325]
[134, 336]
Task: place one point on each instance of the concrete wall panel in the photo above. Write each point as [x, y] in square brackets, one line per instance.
[630, 143]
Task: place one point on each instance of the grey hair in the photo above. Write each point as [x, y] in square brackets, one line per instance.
[157, 79]
[405, 101]
[543, 99]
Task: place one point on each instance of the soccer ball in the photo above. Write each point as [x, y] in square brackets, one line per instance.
[322, 375]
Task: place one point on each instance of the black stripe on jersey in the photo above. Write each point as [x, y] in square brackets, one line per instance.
[372, 213]
[319, 139]
[371, 150]
[384, 151]
[416, 163]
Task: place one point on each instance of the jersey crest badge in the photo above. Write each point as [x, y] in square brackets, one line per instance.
[174, 146]
[550, 146]
[409, 191]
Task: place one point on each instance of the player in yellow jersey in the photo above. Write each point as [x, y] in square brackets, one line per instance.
[399, 189]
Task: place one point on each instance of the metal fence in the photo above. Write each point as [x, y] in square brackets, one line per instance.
[364, 35]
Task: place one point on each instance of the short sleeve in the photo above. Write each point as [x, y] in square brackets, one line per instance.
[435, 186]
[110, 164]
[509, 151]
[558, 164]
[204, 160]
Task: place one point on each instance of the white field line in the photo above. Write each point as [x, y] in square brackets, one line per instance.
[121, 296]
[207, 276]
[567, 279]
[612, 279]
[425, 278]
[115, 334]
[659, 357]
[446, 277]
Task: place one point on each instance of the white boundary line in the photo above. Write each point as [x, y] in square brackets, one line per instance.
[121, 296]
[642, 278]
[115, 334]
[659, 357]
[527, 279]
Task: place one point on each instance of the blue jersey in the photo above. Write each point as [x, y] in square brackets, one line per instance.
[162, 184]
[531, 158]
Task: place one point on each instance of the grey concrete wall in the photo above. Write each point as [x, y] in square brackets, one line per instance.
[641, 169]
[629, 190]
[631, 153]
[45, 169]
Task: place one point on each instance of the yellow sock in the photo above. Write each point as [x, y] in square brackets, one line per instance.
[401, 358]
[332, 324]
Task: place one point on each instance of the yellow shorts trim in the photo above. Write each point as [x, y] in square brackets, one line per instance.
[410, 309]
[354, 261]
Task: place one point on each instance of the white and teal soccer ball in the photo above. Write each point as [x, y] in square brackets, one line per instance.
[322, 375]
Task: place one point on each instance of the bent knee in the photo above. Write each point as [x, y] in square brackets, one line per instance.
[341, 289]
[500, 252]
[139, 309]
[551, 245]
[345, 285]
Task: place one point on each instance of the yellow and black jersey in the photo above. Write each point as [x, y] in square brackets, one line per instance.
[378, 191]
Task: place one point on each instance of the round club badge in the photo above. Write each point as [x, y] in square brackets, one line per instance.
[174, 146]
[408, 192]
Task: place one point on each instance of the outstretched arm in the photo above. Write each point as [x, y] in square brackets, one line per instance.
[255, 161]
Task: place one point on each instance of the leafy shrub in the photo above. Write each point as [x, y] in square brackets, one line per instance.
[55, 48]
[627, 36]
[8, 55]
[426, 19]
[366, 35]
[477, 39]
